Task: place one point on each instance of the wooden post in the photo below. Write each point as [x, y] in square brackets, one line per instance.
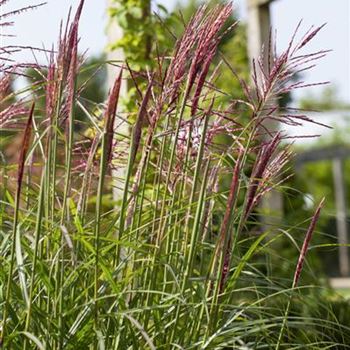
[340, 202]
[115, 59]
[259, 24]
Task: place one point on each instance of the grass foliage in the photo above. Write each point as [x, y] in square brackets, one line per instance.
[180, 260]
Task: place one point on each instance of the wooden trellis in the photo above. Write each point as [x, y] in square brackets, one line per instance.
[337, 155]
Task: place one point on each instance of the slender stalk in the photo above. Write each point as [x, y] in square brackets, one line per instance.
[171, 163]
[162, 225]
[97, 228]
[196, 174]
[20, 173]
[12, 262]
[107, 144]
[68, 172]
[299, 268]
[38, 228]
[193, 243]
[134, 146]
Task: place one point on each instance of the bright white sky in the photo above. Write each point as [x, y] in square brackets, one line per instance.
[39, 28]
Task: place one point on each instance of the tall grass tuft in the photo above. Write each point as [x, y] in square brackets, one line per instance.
[179, 262]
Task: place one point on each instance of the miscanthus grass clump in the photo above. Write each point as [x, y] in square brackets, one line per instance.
[180, 260]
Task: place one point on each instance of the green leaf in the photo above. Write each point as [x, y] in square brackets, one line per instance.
[35, 340]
